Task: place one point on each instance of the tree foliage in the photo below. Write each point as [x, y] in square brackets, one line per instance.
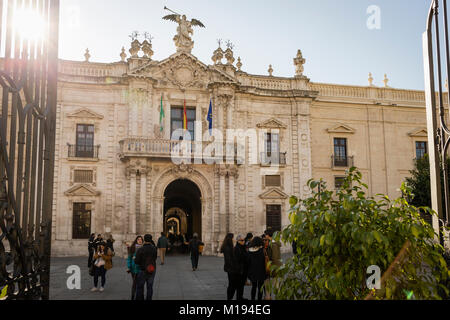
[340, 234]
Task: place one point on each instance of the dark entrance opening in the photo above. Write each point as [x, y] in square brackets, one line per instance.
[182, 213]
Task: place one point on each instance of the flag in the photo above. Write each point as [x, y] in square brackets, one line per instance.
[184, 117]
[209, 116]
[161, 115]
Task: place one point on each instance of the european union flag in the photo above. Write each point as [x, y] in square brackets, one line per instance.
[209, 117]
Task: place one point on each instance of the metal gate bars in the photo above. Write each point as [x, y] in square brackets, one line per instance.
[28, 80]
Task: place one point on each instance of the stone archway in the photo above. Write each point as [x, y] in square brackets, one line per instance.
[208, 227]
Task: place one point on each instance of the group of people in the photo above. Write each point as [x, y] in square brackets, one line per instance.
[100, 259]
[141, 262]
[250, 258]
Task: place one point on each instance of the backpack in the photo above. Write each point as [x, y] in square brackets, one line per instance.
[149, 265]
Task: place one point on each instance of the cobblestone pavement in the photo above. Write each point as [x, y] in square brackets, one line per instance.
[174, 280]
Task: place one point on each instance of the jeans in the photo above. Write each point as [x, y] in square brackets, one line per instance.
[99, 272]
[141, 279]
[133, 286]
[194, 259]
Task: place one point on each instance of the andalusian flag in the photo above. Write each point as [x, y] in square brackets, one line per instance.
[3, 292]
[161, 115]
[209, 116]
[184, 116]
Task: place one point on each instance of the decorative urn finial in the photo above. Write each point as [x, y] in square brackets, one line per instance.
[87, 55]
[299, 61]
[386, 80]
[239, 64]
[370, 79]
[270, 70]
[123, 55]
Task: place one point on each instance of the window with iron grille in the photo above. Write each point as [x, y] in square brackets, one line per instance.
[421, 149]
[273, 181]
[176, 119]
[340, 152]
[85, 141]
[83, 176]
[273, 217]
[81, 226]
[338, 182]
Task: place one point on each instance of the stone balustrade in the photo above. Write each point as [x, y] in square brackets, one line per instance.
[169, 149]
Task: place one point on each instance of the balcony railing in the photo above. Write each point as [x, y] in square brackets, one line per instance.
[273, 158]
[166, 149]
[338, 161]
[83, 151]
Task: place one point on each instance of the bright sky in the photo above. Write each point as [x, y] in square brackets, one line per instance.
[333, 35]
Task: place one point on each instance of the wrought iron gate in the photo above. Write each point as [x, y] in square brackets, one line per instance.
[438, 130]
[28, 80]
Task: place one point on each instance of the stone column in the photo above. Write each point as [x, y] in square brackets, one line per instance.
[222, 203]
[143, 204]
[132, 213]
[232, 210]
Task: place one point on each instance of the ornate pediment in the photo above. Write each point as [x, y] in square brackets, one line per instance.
[273, 193]
[182, 70]
[341, 128]
[82, 190]
[418, 132]
[272, 124]
[85, 113]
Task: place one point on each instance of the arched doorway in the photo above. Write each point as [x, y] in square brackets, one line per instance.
[182, 209]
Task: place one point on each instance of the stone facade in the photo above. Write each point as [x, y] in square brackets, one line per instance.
[133, 168]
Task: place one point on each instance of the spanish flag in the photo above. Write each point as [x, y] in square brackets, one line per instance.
[184, 116]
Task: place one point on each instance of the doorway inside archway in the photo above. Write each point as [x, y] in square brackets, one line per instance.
[182, 213]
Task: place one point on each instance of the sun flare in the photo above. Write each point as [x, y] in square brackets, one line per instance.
[29, 24]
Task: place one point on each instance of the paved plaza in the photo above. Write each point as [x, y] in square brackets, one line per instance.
[174, 280]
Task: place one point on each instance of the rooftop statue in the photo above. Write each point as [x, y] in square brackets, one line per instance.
[183, 40]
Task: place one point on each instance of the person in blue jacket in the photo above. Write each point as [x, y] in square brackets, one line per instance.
[133, 268]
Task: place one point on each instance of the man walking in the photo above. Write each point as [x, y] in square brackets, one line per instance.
[146, 260]
[163, 244]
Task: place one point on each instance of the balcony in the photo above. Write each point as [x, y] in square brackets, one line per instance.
[83, 152]
[273, 158]
[163, 149]
[341, 162]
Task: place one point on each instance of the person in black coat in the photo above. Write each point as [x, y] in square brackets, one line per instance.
[227, 250]
[91, 249]
[145, 256]
[256, 266]
[240, 266]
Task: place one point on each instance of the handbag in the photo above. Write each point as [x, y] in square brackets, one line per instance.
[91, 270]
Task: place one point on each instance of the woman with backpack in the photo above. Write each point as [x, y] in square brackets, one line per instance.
[133, 268]
[102, 263]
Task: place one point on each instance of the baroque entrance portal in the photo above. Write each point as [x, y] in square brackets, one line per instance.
[182, 208]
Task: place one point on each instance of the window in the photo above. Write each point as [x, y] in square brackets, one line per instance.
[273, 181]
[81, 228]
[273, 217]
[85, 141]
[83, 176]
[271, 143]
[340, 152]
[176, 119]
[421, 149]
[338, 182]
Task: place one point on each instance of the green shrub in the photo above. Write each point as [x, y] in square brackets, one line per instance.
[339, 235]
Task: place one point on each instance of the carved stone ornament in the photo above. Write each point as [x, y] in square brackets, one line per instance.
[182, 168]
[183, 73]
